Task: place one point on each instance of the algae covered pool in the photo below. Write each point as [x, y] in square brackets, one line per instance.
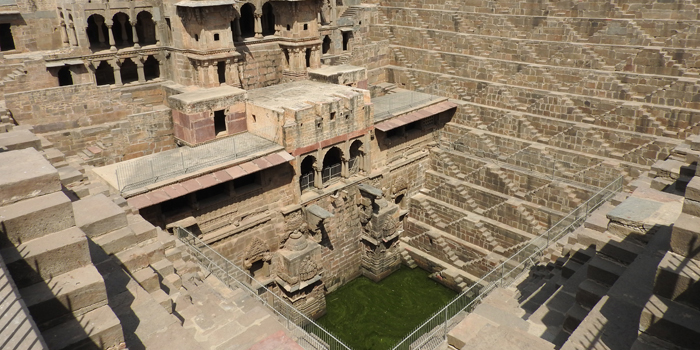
[374, 316]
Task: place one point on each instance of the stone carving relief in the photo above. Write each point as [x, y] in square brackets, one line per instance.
[257, 250]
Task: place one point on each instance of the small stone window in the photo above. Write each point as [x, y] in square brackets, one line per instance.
[7, 42]
[346, 40]
[196, 37]
[246, 181]
[65, 77]
[289, 27]
[332, 115]
[306, 26]
[219, 122]
[216, 37]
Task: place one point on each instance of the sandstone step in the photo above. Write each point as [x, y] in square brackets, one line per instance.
[102, 324]
[53, 155]
[35, 217]
[148, 279]
[671, 321]
[46, 257]
[163, 299]
[604, 271]
[69, 175]
[75, 292]
[97, 215]
[570, 268]
[609, 245]
[26, 174]
[117, 240]
[677, 279]
[501, 317]
[143, 229]
[589, 293]
[138, 257]
[163, 267]
[574, 316]
[685, 236]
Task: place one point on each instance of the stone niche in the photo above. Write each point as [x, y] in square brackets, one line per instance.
[298, 273]
[380, 233]
[203, 115]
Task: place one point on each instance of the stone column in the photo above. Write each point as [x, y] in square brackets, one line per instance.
[135, 36]
[315, 57]
[117, 72]
[72, 37]
[161, 66]
[237, 37]
[64, 34]
[157, 32]
[231, 67]
[112, 45]
[99, 22]
[122, 26]
[139, 70]
[344, 170]
[318, 180]
[258, 25]
[213, 75]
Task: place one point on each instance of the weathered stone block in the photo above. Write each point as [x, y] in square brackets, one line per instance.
[26, 174]
[36, 217]
[685, 237]
[97, 215]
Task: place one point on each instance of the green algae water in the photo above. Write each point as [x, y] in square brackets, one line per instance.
[374, 316]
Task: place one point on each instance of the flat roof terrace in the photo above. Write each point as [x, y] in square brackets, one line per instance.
[150, 172]
[299, 95]
[388, 106]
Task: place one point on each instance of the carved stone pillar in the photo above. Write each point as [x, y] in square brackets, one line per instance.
[112, 44]
[64, 34]
[213, 75]
[258, 25]
[72, 37]
[344, 173]
[161, 66]
[99, 22]
[157, 32]
[117, 72]
[232, 68]
[315, 57]
[122, 26]
[135, 36]
[318, 179]
[139, 70]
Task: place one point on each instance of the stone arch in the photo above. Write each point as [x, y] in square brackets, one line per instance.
[121, 29]
[326, 47]
[151, 68]
[247, 20]
[268, 19]
[129, 71]
[307, 172]
[97, 31]
[257, 259]
[145, 28]
[357, 156]
[104, 74]
[332, 165]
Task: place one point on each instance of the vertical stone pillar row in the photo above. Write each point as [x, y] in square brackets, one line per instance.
[139, 70]
[112, 45]
[122, 26]
[117, 71]
[99, 22]
[135, 35]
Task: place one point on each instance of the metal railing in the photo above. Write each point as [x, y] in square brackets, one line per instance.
[306, 181]
[140, 172]
[307, 333]
[399, 103]
[434, 331]
[331, 173]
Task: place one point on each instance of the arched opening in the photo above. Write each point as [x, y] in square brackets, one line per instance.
[308, 58]
[306, 180]
[221, 71]
[151, 68]
[65, 77]
[399, 200]
[104, 74]
[97, 31]
[326, 44]
[332, 165]
[129, 71]
[356, 157]
[268, 19]
[235, 27]
[247, 21]
[121, 29]
[145, 28]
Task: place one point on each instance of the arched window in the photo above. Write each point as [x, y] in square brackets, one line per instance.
[129, 71]
[268, 20]
[306, 180]
[97, 31]
[145, 28]
[356, 157]
[121, 29]
[151, 68]
[65, 77]
[104, 74]
[332, 165]
[247, 21]
[326, 44]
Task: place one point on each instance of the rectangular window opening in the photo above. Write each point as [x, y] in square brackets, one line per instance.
[219, 122]
[7, 42]
[212, 193]
[221, 71]
[346, 40]
[216, 37]
[332, 115]
[246, 181]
